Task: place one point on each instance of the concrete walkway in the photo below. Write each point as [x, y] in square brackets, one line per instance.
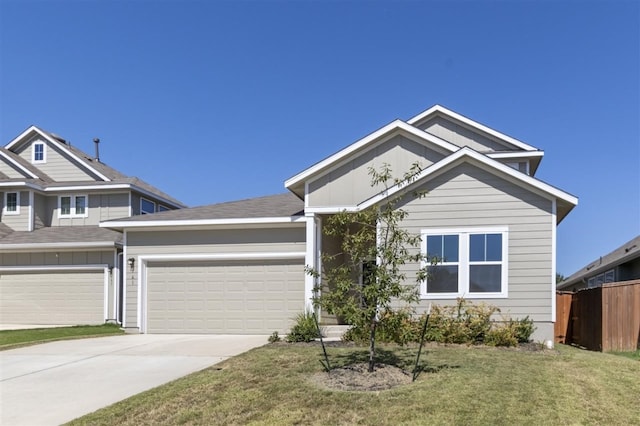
[56, 382]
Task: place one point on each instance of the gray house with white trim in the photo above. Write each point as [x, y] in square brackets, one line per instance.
[57, 266]
[238, 267]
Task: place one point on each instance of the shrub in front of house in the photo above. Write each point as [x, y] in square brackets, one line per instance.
[304, 329]
[463, 323]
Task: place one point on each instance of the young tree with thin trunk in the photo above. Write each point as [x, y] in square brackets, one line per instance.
[362, 281]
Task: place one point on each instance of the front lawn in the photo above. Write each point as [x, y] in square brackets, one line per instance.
[460, 385]
[10, 339]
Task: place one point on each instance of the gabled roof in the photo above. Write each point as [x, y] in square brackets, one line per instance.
[628, 251]
[296, 183]
[58, 143]
[396, 127]
[439, 110]
[24, 166]
[79, 237]
[565, 201]
[281, 208]
[111, 178]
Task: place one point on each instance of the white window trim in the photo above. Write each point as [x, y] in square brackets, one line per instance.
[4, 207]
[162, 208]
[44, 153]
[73, 213]
[155, 206]
[464, 263]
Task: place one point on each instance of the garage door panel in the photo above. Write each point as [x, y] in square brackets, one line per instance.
[52, 297]
[243, 297]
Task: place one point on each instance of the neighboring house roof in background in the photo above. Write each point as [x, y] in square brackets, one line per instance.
[271, 208]
[111, 175]
[59, 237]
[57, 142]
[628, 251]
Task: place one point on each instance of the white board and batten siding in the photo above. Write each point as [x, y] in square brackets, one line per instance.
[239, 281]
[468, 196]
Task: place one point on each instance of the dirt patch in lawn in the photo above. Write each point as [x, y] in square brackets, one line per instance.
[355, 377]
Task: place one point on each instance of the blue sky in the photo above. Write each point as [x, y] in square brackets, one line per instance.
[216, 101]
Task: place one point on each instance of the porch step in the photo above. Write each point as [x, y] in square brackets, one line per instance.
[333, 331]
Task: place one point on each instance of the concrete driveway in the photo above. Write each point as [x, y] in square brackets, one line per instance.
[56, 382]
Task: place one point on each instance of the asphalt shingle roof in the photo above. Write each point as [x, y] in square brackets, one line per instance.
[608, 261]
[60, 234]
[280, 205]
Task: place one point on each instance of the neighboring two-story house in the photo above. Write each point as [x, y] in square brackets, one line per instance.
[57, 265]
[239, 267]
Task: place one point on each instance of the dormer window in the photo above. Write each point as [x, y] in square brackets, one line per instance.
[39, 153]
[147, 206]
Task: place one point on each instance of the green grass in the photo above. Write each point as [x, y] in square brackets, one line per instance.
[10, 339]
[633, 355]
[464, 386]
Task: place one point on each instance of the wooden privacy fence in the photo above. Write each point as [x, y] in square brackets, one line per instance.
[603, 318]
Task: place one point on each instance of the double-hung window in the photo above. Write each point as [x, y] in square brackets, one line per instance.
[38, 150]
[465, 262]
[73, 206]
[11, 203]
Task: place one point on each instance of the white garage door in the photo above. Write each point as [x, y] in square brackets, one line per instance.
[46, 297]
[224, 297]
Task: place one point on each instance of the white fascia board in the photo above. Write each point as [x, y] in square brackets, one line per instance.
[58, 145]
[87, 187]
[202, 222]
[24, 184]
[53, 268]
[468, 152]
[515, 154]
[330, 210]
[474, 124]
[380, 133]
[59, 246]
[18, 165]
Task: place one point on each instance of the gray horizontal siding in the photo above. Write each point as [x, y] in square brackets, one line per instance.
[456, 199]
[58, 258]
[350, 183]
[10, 170]
[460, 135]
[17, 222]
[217, 241]
[59, 166]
